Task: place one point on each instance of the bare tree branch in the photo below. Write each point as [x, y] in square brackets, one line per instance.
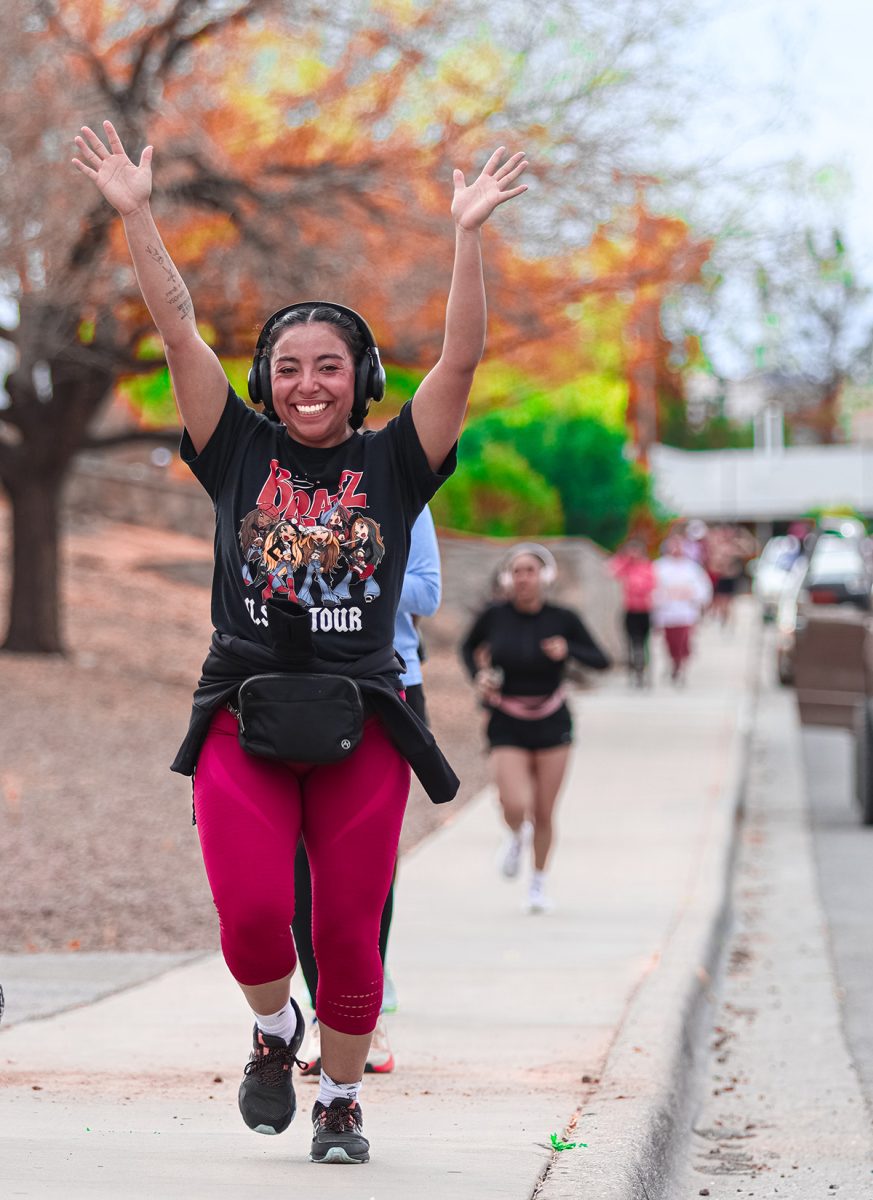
[81, 49]
[182, 42]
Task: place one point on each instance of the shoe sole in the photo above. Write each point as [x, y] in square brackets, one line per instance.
[382, 1069]
[336, 1154]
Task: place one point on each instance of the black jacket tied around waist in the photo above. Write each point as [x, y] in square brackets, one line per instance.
[231, 660]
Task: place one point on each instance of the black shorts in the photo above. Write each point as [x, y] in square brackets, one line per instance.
[726, 585]
[554, 730]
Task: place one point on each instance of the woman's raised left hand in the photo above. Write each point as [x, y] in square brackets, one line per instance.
[473, 204]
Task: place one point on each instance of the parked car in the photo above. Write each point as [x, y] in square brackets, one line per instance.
[835, 569]
[833, 676]
[771, 570]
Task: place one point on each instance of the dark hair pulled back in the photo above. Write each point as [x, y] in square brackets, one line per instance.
[321, 314]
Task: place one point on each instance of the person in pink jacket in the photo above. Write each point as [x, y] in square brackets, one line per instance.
[636, 574]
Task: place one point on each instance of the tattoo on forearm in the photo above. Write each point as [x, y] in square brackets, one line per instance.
[177, 296]
[161, 259]
[179, 299]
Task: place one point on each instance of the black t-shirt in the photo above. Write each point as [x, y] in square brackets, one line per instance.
[513, 639]
[328, 528]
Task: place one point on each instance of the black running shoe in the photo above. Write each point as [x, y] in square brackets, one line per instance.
[338, 1133]
[266, 1094]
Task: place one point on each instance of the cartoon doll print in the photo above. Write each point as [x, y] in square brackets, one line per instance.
[319, 550]
[282, 554]
[363, 550]
[253, 530]
[337, 519]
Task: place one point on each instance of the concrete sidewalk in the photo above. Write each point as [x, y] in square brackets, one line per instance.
[509, 1026]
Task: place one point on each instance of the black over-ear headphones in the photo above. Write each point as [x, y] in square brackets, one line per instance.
[369, 372]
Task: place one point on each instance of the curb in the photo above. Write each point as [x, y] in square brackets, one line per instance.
[632, 1118]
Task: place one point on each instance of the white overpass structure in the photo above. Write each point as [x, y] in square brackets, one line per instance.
[756, 485]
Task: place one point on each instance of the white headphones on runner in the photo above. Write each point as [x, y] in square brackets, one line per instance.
[548, 574]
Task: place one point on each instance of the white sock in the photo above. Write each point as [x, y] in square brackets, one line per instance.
[538, 881]
[328, 1090]
[282, 1024]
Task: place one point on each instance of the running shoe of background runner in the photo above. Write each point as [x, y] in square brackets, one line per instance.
[380, 1060]
[510, 855]
[311, 1057]
[537, 900]
[338, 1133]
[266, 1094]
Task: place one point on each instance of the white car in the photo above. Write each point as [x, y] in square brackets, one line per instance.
[771, 571]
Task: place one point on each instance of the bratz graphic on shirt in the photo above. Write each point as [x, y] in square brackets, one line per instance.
[337, 518]
[362, 551]
[319, 550]
[281, 556]
[254, 527]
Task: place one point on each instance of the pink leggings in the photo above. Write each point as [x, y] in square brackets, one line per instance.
[250, 813]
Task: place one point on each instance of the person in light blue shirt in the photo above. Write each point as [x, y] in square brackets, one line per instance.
[420, 597]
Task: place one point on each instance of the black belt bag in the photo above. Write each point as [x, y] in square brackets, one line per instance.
[305, 718]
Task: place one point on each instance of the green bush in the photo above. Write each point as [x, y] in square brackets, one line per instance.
[572, 454]
[496, 492]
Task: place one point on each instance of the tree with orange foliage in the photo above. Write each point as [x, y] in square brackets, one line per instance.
[345, 119]
[643, 258]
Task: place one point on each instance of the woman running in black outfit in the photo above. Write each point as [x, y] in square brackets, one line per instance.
[517, 653]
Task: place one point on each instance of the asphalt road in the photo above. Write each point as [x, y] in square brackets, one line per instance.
[844, 859]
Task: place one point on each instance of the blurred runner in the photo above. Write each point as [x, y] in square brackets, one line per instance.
[682, 592]
[636, 574]
[695, 540]
[728, 549]
[517, 653]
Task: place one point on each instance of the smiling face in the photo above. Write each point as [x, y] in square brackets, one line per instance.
[313, 380]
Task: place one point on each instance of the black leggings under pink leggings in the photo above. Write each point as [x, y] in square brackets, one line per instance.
[250, 815]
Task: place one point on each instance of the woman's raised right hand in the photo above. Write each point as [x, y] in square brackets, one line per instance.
[127, 187]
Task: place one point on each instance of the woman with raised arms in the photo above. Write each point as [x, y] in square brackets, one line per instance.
[315, 370]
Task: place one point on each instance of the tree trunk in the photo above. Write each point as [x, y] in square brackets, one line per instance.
[35, 462]
[34, 610]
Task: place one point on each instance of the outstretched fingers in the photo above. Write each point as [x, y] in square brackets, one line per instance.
[506, 173]
[493, 162]
[115, 143]
[80, 166]
[92, 143]
[91, 156]
[511, 170]
[504, 196]
[513, 166]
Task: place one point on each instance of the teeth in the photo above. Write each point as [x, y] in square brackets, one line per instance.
[311, 408]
